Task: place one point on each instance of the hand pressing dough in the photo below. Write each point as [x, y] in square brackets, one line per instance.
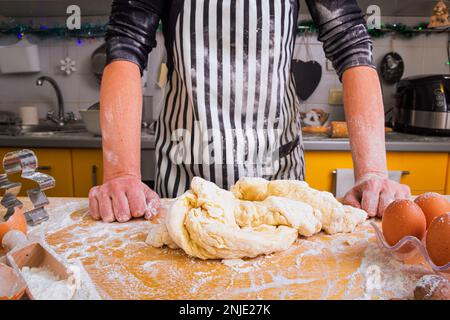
[336, 217]
[211, 223]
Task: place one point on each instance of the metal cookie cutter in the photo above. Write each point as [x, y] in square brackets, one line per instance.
[9, 200]
[25, 161]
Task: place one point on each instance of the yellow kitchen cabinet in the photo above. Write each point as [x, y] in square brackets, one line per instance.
[447, 186]
[55, 162]
[321, 164]
[426, 171]
[87, 170]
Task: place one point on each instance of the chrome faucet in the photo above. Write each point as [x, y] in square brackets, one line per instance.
[62, 118]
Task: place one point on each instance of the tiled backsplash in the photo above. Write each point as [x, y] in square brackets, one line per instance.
[80, 89]
[422, 55]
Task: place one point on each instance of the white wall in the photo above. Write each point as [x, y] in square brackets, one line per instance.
[80, 89]
[422, 55]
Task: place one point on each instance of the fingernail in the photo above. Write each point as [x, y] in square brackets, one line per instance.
[121, 218]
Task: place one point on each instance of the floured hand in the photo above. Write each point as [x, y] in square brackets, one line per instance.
[121, 199]
[373, 192]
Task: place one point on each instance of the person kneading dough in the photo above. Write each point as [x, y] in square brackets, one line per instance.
[231, 112]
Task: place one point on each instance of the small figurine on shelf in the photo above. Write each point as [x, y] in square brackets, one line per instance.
[440, 16]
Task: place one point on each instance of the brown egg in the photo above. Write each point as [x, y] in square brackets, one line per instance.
[16, 222]
[432, 205]
[403, 218]
[438, 240]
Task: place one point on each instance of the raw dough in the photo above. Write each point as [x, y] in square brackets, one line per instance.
[336, 217]
[256, 217]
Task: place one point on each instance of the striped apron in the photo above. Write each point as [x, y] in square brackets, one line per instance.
[231, 109]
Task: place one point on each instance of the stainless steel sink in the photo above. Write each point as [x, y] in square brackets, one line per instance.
[52, 127]
[42, 130]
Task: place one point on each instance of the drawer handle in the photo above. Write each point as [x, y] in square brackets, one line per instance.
[94, 175]
[404, 173]
[44, 168]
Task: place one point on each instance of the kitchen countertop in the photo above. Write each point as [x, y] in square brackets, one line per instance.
[66, 140]
[394, 142]
[121, 266]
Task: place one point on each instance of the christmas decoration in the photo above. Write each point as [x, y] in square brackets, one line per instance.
[92, 31]
[68, 66]
[86, 31]
[440, 16]
[399, 29]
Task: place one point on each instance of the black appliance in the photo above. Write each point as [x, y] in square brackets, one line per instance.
[423, 105]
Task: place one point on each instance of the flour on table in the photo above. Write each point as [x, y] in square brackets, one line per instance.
[242, 266]
[233, 262]
[387, 278]
[85, 288]
[45, 285]
[256, 217]
[60, 218]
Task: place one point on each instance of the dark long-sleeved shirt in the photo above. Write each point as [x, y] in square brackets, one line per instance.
[133, 24]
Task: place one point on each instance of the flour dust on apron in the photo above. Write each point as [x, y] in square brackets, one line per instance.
[231, 109]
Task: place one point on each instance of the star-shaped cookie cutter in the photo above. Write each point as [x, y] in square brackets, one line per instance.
[26, 162]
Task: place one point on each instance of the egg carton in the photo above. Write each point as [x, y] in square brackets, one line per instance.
[419, 248]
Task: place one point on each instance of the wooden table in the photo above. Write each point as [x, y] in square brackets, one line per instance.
[122, 266]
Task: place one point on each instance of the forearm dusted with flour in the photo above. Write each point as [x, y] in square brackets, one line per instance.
[120, 118]
[373, 191]
[122, 194]
[129, 39]
[365, 119]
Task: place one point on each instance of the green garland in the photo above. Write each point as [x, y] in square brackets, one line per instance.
[386, 29]
[86, 31]
[402, 30]
[99, 30]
